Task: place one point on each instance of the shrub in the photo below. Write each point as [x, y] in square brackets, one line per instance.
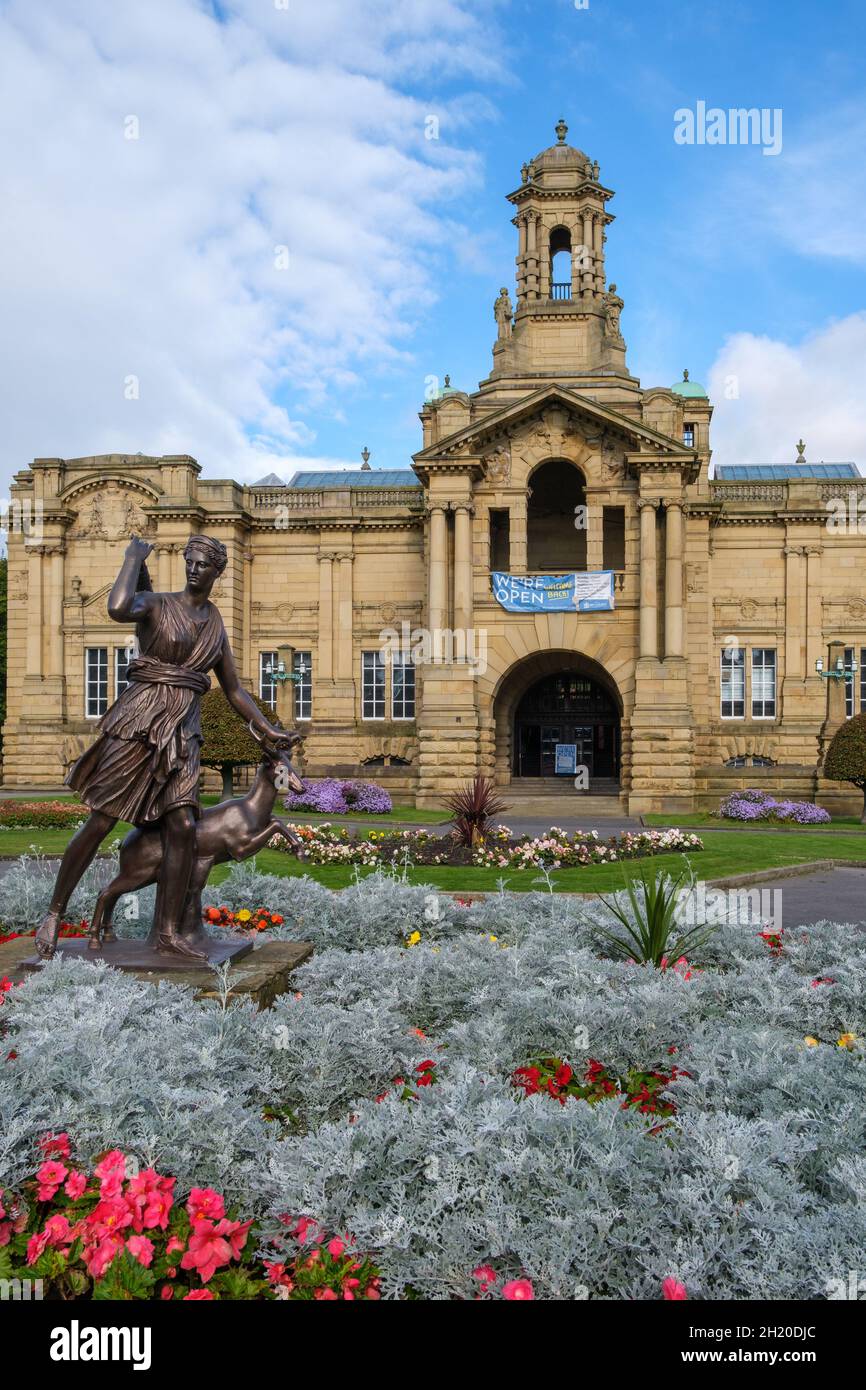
[474, 806]
[651, 922]
[228, 742]
[333, 797]
[752, 804]
[42, 815]
[846, 757]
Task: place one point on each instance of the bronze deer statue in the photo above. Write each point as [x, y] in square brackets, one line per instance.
[234, 829]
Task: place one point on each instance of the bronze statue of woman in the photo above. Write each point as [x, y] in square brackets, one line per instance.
[144, 766]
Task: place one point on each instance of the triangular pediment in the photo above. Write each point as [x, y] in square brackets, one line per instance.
[475, 438]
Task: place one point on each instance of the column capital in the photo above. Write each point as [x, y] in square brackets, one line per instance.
[653, 502]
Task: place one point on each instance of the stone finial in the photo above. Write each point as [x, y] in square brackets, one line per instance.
[561, 131]
[524, 172]
[365, 456]
[447, 381]
[595, 170]
[801, 456]
[685, 373]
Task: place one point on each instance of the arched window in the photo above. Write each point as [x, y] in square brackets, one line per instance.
[556, 518]
[560, 263]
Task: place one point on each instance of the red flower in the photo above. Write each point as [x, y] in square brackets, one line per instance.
[518, 1289]
[425, 1066]
[672, 1290]
[563, 1074]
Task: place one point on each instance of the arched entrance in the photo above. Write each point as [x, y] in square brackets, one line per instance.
[568, 708]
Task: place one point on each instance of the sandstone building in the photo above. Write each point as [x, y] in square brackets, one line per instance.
[375, 587]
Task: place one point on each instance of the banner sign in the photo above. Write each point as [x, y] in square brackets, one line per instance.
[585, 592]
[566, 758]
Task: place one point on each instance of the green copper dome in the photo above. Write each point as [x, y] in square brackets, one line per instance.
[688, 388]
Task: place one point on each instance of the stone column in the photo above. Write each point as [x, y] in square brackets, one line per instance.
[595, 498]
[587, 263]
[598, 253]
[54, 610]
[814, 634]
[794, 616]
[437, 571]
[531, 255]
[674, 578]
[325, 653]
[463, 568]
[648, 579]
[344, 620]
[248, 671]
[35, 613]
[517, 536]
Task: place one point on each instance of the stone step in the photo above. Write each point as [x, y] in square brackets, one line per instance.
[577, 804]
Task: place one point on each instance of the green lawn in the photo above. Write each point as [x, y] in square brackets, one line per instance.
[711, 821]
[409, 815]
[725, 854]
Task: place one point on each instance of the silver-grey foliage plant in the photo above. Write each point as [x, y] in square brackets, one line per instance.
[754, 1191]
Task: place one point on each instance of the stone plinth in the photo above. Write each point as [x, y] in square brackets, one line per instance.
[261, 973]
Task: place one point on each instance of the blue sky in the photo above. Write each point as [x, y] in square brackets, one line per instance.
[147, 311]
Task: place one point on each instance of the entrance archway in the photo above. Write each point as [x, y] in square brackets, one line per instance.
[559, 696]
[567, 710]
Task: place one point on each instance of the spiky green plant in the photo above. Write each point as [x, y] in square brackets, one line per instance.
[652, 929]
[474, 806]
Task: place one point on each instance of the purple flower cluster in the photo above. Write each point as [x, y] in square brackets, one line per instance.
[334, 797]
[753, 804]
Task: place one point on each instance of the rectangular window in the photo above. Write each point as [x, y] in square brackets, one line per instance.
[613, 538]
[689, 436]
[855, 689]
[500, 540]
[267, 684]
[733, 683]
[302, 665]
[372, 686]
[122, 658]
[96, 682]
[402, 686]
[763, 682]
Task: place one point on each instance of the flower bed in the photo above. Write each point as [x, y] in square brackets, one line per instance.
[41, 815]
[731, 1173]
[557, 849]
[752, 805]
[333, 797]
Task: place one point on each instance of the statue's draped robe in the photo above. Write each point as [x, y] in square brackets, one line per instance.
[147, 757]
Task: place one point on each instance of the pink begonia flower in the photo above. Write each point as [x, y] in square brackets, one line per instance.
[486, 1276]
[325, 1293]
[167, 1291]
[303, 1225]
[35, 1245]
[205, 1204]
[50, 1176]
[113, 1162]
[150, 1198]
[672, 1289]
[98, 1256]
[75, 1184]
[211, 1246]
[335, 1248]
[111, 1214]
[173, 1244]
[518, 1289]
[197, 1296]
[142, 1249]
[58, 1230]
[56, 1144]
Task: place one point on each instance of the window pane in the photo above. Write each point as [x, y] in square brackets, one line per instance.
[373, 686]
[96, 682]
[763, 682]
[402, 687]
[303, 666]
[733, 683]
[267, 684]
[122, 658]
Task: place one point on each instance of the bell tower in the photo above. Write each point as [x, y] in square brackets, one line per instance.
[567, 319]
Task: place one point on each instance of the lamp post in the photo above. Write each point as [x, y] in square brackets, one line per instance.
[838, 671]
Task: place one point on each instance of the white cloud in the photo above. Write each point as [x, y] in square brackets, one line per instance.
[813, 389]
[157, 258]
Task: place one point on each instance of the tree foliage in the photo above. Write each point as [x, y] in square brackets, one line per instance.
[846, 757]
[228, 742]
